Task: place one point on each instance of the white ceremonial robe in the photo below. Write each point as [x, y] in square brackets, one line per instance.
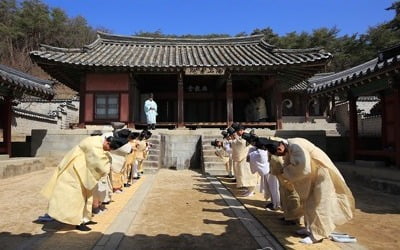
[269, 185]
[326, 199]
[150, 109]
[244, 177]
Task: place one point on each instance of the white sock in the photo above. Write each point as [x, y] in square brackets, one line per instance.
[306, 240]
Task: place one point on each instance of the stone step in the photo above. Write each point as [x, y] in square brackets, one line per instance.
[155, 146]
[151, 164]
[149, 170]
[208, 147]
[211, 137]
[154, 151]
[212, 158]
[215, 172]
[388, 186]
[154, 141]
[208, 152]
[214, 165]
[4, 157]
[152, 158]
[18, 166]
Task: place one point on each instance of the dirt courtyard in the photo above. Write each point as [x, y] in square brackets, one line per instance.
[375, 224]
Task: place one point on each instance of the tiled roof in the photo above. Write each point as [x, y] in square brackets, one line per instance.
[18, 82]
[304, 85]
[145, 52]
[384, 63]
[32, 114]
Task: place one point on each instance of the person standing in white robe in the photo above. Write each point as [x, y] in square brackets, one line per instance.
[150, 109]
[258, 159]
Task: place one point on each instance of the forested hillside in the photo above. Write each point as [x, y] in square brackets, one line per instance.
[24, 25]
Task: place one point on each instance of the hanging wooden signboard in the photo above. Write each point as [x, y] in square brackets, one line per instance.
[204, 71]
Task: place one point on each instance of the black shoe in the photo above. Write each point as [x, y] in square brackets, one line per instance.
[90, 223]
[127, 185]
[83, 227]
[269, 206]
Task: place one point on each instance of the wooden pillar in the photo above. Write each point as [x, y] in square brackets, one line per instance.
[229, 100]
[7, 117]
[278, 107]
[82, 106]
[180, 101]
[132, 106]
[397, 126]
[333, 108]
[384, 141]
[306, 109]
[353, 127]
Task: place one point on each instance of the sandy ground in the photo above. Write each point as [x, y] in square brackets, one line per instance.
[21, 204]
[375, 224]
[182, 209]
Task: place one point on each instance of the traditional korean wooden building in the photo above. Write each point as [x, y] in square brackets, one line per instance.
[13, 85]
[378, 77]
[196, 82]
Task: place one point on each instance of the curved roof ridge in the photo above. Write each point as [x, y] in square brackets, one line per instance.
[28, 83]
[18, 73]
[45, 47]
[179, 40]
[307, 50]
[349, 71]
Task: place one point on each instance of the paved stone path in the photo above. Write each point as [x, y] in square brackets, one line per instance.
[183, 210]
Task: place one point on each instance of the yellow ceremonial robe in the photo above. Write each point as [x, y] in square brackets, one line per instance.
[244, 177]
[326, 199]
[140, 153]
[290, 201]
[70, 189]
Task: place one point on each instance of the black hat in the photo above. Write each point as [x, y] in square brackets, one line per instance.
[148, 135]
[250, 138]
[230, 131]
[267, 144]
[134, 135]
[145, 134]
[122, 133]
[117, 142]
[224, 134]
[237, 126]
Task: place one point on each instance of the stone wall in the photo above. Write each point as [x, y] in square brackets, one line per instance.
[182, 151]
[370, 126]
[39, 114]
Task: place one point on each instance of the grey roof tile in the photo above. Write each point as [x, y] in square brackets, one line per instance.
[355, 74]
[125, 51]
[17, 81]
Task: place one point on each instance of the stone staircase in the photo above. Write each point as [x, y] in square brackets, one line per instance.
[152, 163]
[212, 164]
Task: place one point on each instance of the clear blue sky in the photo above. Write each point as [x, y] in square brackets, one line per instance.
[200, 17]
